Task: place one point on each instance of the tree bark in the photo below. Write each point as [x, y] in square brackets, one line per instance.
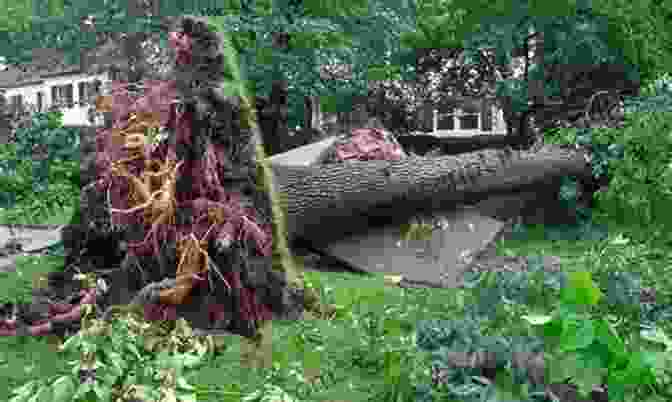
[273, 117]
[341, 196]
[132, 44]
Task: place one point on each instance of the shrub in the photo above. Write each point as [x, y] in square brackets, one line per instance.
[640, 189]
[40, 170]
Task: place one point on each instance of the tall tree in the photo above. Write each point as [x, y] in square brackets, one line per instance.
[574, 40]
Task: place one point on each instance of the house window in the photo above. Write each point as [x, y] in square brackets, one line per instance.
[62, 95]
[454, 116]
[446, 119]
[469, 117]
[16, 102]
[114, 74]
[469, 121]
[87, 91]
[82, 92]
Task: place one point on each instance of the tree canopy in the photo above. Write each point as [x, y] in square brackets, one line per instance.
[319, 33]
[380, 39]
[579, 43]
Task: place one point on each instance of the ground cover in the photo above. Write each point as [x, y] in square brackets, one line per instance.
[61, 217]
[367, 346]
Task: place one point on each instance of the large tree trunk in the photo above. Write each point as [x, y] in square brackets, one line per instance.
[274, 109]
[338, 197]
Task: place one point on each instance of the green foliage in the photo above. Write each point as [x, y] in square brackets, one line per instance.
[21, 203]
[642, 30]
[635, 158]
[578, 38]
[123, 358]
[656, 97]
[586, 349]
[45, 134]
[16, 286]
[24, 358]
[580, 342]
[319, 34]
[16, 15]
[370, 332]
[575, 34]
[34, 188]
[640, 189]
[15, 177]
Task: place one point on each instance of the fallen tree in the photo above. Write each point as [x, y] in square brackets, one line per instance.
[340, 196]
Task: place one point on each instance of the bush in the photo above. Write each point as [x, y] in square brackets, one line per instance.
[640, 189]
[40, 170]
[635, 159]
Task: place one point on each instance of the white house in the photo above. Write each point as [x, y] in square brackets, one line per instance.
[48, 82]
[465, 117]
[444, 116]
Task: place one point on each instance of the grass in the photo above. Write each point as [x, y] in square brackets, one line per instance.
[332, 359]
[16, 286]
[61, 217]
[342, 359]
[647, 255]
[292, 343]
[346, 357]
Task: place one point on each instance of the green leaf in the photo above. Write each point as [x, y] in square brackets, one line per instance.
[607, 336]
[102, 392]
[183, 384]
[40, 395]
[64, 389]
[589, 374]
[537, 319]
[24, 392]
[581, 290]
[577, 335]
[392, 365]
[619, 240]
[639, 370]
[184, 397]
[562, 367]
[657, 335]
[83, 389]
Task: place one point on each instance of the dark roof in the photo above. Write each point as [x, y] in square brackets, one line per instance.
[51, 62]
[10, 77]
[46, 62]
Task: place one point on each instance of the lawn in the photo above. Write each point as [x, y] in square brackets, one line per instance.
[379, 342]
[350, 357]
[61, 217]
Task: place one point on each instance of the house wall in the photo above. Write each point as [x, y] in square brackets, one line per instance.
[75, 115]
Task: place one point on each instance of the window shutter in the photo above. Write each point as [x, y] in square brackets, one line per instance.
[428, 117]
[54, 95]
[486, 115]
[82, 92]
[69, 94]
